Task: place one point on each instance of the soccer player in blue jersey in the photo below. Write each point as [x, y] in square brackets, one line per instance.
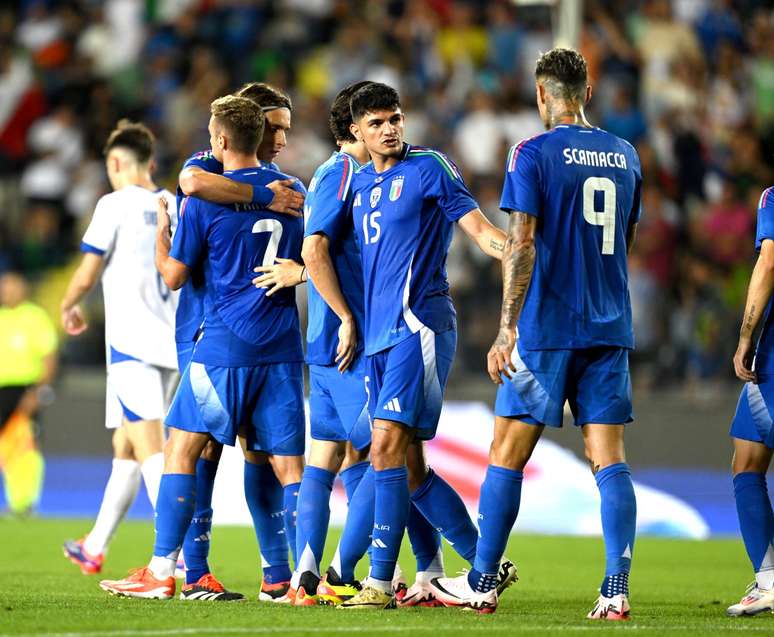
[405, 204]
[573, 195]
[245, 377]
[201, 176]
[337, 398]
[753, 426]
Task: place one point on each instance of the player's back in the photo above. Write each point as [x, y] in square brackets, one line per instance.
[244, 326]
[139, 308]
[583, 184]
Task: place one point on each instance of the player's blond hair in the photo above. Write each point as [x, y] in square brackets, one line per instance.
[242, 120]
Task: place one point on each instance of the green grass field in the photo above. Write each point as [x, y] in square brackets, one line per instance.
[679, 588]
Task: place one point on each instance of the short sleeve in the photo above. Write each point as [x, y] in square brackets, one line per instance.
[327, 211]
[189, 240]
[100, 236]
[204, 160]
[521, 187]
[442, 180]
[765, 228]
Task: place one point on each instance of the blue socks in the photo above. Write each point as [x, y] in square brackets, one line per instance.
[497, 510]
[314, 514]
[425, 543]
[196, 546]
[351, 477]
[756, 519]
[619, 520]
[356, 536]
[445, 510]
[289, 506]
[391, 507]
[174, 510]
[264, 495]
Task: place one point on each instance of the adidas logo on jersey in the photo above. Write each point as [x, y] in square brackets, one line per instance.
[393, 405]
[377, 543]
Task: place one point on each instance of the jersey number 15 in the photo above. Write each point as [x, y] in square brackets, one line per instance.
[605, 218]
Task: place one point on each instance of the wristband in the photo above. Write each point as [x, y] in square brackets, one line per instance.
[262, 196]
[304, 274]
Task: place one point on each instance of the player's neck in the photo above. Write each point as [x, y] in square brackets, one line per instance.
[355, 150]
[566, 114]
[139, 178]
[239, 161]
[384, 162]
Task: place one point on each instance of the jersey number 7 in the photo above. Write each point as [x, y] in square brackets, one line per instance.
[605, 218]
[275, 227]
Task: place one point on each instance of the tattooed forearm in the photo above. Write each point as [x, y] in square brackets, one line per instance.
[518, 264]
[749, 322]
[496, 245]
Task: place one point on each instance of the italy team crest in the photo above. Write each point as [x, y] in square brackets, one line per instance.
[376, 195]
[396, 187]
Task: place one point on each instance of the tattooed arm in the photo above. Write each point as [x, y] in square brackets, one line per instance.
[758, 295]
[518, 263]
[488, 237]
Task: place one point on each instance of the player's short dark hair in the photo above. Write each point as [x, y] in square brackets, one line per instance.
[341, 115]
[242, 119]
[135, 137]
[565, 71]
[268, 97]
[373, 97]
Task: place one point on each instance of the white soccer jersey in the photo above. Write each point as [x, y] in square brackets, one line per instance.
[139, 308]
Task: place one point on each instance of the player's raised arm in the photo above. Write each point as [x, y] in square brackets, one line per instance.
[758, 295]
[518, 264]
[488, 237]
[278, 195]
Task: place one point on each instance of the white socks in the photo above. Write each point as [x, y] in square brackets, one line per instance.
[152, 468]
[120, 492]
[162, 567]
[765, 579]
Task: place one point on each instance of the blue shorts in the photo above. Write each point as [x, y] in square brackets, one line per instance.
[338, 405]
[595, 381]
[406, 382]
[753, 418]
[264, 403]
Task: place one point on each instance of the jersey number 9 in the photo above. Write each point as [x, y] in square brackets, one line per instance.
[605, 218]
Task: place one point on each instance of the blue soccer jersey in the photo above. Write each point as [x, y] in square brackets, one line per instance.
[764, 360]
[327, 211]
[583, 185]
[243, 327]
[404, 219]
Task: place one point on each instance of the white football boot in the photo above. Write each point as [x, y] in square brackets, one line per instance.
[756, 600]
[455, 591]
[615, 608]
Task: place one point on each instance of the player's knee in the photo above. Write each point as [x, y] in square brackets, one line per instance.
[353, 456]
[513, 457]
[387, 453]
[288, 469]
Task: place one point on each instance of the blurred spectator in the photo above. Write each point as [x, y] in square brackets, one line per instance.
[28, 343]
[689, 82]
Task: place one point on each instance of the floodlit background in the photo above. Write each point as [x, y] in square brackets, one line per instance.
[689, 82]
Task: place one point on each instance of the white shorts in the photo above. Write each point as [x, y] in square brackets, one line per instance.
[137, 391]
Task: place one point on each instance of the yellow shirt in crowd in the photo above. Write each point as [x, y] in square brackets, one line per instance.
[27, 336]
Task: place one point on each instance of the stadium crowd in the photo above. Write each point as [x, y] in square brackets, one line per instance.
[689, 82]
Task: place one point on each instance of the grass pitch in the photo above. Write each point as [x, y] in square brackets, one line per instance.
[679, 588]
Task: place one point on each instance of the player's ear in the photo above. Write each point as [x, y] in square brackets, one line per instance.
[355, 130]
[541, 92]
[588, 93]
[152, 166]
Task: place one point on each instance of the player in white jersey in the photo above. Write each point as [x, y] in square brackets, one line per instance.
[119, 248]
